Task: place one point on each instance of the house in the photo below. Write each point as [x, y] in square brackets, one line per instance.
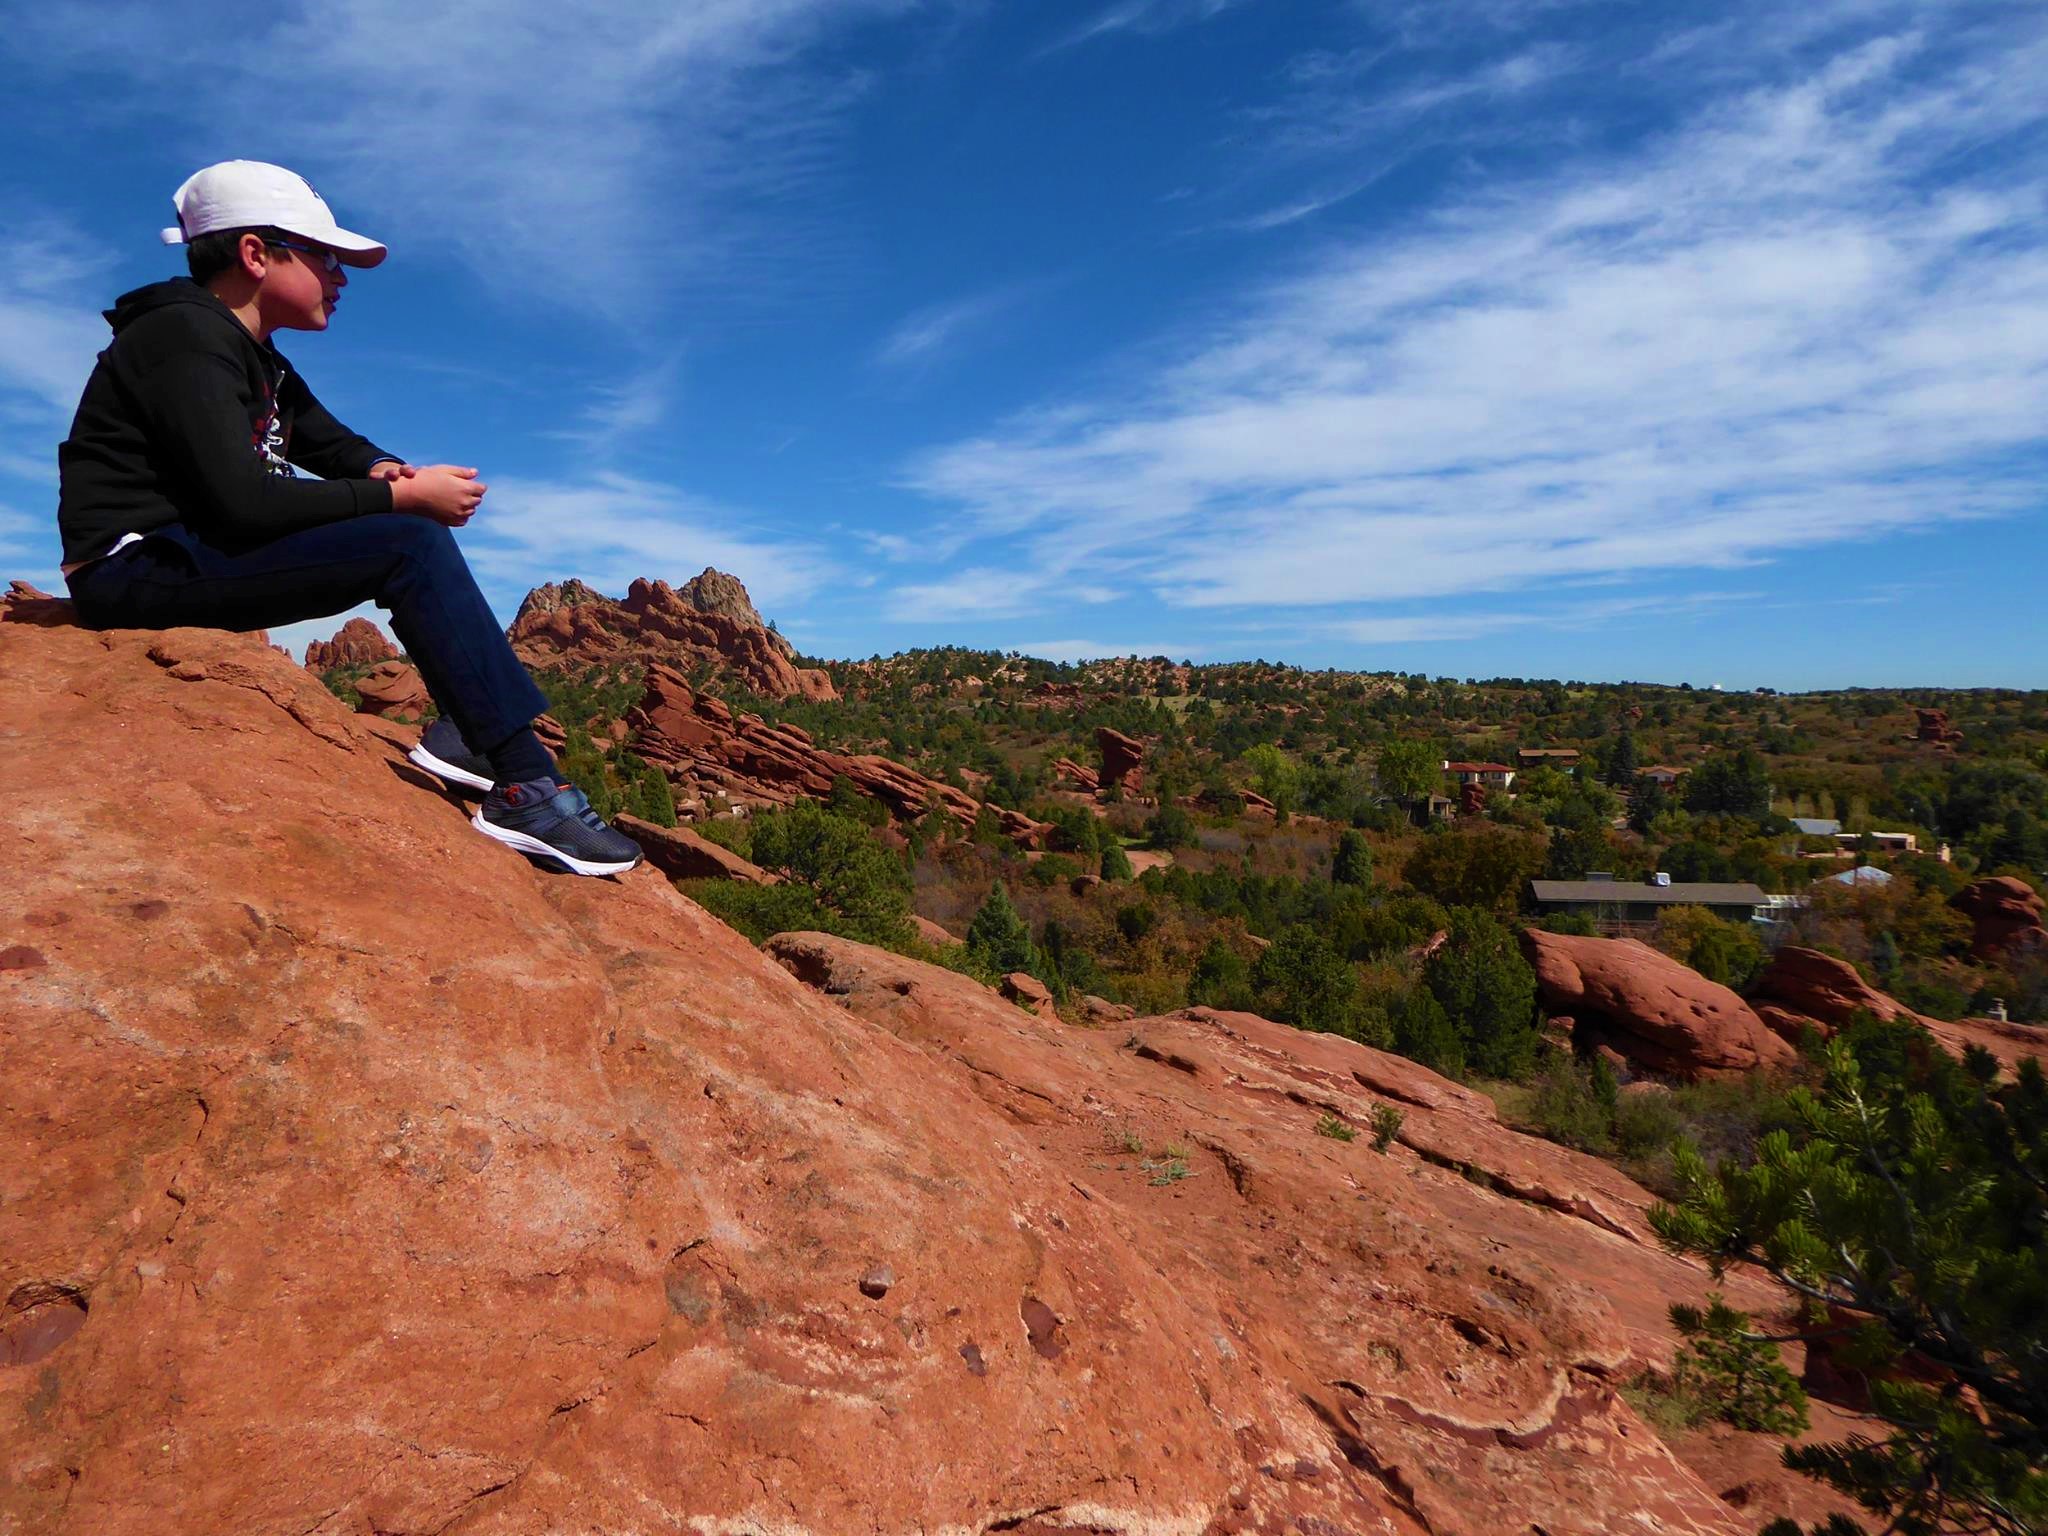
[1816, 826]
[1883, 842]
[1663, 775]
[1565, 759]
[1863, 874]
[1616, 903]
[1492, 775]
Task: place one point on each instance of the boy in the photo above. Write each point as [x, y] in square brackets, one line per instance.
[178, 502]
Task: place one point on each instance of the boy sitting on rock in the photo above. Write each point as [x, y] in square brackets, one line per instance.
[179, 504]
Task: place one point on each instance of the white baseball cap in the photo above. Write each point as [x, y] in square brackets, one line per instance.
[250, 194]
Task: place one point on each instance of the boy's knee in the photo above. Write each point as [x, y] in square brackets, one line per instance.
[418, 539]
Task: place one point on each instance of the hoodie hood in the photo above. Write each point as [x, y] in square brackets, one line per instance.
[132, 306]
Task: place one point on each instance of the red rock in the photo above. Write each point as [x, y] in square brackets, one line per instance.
[706, 749]
[1804, 989]
[391, 689]
[681, 854]
[1081, 885]
[358, 643]
[1931, 727]
[931, 932]
[1123, 759]
[1100, 1010]
[391, 1184]
[708, 619]
[2006, 914]
[1084, 779]
[1465, 1311]
[1661, 1015]
[1472, 799]
[1027, 991]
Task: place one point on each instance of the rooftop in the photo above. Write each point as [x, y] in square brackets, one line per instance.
[1641, 893]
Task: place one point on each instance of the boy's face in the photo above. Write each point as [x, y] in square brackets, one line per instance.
[297, 291]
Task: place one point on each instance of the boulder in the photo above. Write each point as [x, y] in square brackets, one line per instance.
[932, 933]
[1931, 728]
[1027, 991]
[1663, 1016]
[1100, 1010]
[1123, 759]
[708, 619]
[2005, 913]
[393, 690]
[681, 854]
[358, 643]
[1804, 989]
[1087, 780]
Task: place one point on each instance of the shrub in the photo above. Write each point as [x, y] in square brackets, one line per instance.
[1302, 981]
[1489, 993]
[1171, 827]
[1221, 979]
[1116, 864]
[866, 892]
[999, 938]
[1488, 867]
[1735, 1374]
[1351, 863]
[1335, 1129]
[1718, 949]
[1386, 1125]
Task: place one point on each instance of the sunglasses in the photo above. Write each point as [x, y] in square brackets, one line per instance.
[326, 260]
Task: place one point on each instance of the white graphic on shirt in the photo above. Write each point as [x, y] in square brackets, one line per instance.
[269, 438]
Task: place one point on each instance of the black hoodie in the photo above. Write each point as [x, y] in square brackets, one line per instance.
[187, 418]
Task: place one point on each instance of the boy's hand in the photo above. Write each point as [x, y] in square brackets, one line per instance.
[391, 469]
[447, 493]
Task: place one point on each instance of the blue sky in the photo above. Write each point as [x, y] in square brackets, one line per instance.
[1563, 338]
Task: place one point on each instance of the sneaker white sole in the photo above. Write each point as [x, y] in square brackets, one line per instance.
[448, 771]
[540, 850]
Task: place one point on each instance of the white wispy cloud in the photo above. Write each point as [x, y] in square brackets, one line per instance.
[610, 528]
[1142, 16]
[606, 157]
[1813, 313]
[49, 335]
[925, 334]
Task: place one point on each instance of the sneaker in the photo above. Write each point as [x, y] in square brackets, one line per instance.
[443, 753]
[554, 823]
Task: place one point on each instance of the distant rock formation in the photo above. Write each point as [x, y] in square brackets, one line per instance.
[708, 619]
[1123, 759]
[707, 749]
[681, 854]
[2006, 914]
[358, 643]
[1804, 989]
[1931, 728]
[390, 689]
[1661, 1015]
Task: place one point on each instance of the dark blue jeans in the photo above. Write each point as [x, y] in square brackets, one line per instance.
[405, 564]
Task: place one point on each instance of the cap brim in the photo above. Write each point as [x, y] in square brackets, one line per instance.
[354, 250]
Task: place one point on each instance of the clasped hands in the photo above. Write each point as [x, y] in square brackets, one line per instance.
[447, 493]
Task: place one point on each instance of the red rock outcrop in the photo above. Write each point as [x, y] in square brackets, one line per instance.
[358, 643]
[1123, 759]
[707, 749]
[1451, 1322]
[2005, 913]
[358, 1176]
[392, 688]
[708, 619]
[681, 854]
[1804, 989]
[1931, 728]
[1661, 1015]
[1085, 779]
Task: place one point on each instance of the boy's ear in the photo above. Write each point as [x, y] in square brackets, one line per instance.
[252, 256]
